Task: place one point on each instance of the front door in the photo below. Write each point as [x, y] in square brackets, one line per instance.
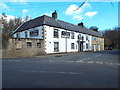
[81, 46]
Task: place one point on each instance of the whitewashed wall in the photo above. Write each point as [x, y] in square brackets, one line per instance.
[22, 34]
[49, 41]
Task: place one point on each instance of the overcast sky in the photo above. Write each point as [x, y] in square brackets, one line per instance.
[104, 15]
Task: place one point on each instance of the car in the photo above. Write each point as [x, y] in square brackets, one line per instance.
[109, 48]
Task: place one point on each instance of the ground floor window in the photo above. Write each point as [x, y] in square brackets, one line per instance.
[39, 45]
[86, 46]
[72, 46]
[56, 46]
[29, 44]
[92, 46]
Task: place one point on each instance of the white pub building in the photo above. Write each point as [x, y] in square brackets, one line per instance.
[56, 36]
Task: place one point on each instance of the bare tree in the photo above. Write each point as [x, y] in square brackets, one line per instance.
[8, 28]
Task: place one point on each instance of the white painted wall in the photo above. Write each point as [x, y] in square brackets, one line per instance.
[49, 39]
[22, 34]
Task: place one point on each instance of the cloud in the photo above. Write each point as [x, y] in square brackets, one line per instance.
[25, 11]
[78, 17]
[91, 14]
[3, 6]
[8, 17]
[76, 14]
[48, 13]
[71, 8]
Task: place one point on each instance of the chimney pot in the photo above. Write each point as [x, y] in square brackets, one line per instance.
[81, 24]
[54, 15]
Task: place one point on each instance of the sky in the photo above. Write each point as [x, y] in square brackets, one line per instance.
[104, 15]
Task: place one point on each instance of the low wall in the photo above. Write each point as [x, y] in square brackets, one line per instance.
[19, 48]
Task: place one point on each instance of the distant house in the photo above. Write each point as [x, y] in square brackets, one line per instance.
[50, 35]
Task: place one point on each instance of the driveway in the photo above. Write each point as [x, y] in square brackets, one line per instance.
[84, 70]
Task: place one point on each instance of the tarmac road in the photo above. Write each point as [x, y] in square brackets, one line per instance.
[84, 70]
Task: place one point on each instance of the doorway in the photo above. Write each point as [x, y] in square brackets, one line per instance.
[81, 46]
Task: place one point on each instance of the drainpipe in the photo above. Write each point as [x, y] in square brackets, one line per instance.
[78, 43]
[66, 42]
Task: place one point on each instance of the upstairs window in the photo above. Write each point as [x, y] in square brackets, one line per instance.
[86, 37]
[34, 33]
[29, 44]
[65, 34]
[26, 35]
[72, 35]
[80, 37]
[18, 35]
[56, 34]
[72, 46]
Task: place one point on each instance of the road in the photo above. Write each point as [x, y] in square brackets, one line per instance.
[84, 70]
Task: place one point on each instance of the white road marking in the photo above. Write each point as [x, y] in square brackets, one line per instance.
[90, 62]
[98, 55]
[53, 72]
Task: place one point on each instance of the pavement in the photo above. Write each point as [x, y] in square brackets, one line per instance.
[79, 70]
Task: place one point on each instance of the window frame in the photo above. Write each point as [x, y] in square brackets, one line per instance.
[17, 35]
[66, 34]
[56, 33]
[56, 48]
[72, 35]
[72, 45]
[39, 44]
[26, 34]
[34, 32]
[29, 44]
[87, 46]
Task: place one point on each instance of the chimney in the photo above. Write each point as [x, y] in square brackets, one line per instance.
[94, 28]
[54, 15]
[81, 24]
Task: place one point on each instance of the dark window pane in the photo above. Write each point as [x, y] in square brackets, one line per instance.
[29, 44]
[39, 45]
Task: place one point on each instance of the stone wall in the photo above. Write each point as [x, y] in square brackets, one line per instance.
[20, 48]
[99, 41]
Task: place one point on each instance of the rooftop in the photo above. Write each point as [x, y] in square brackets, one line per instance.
[50, 21]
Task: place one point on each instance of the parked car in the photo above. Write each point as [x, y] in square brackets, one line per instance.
[109, 48]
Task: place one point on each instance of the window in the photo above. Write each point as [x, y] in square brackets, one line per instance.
[79, 36]
[39, 45]
[34, 33]
[92, 46]
[56, 34]
[94, 38]
[25, 34]
[29, 44]
[86, 46]
[56, 46]
[86, 37]
[18, 35]
[72, 46]
[65, 34]
[82, 38]
[72, 35]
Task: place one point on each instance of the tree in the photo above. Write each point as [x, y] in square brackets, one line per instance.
[112, 37]
[8, 28]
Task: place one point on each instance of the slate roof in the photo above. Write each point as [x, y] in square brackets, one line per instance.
[46, 20]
